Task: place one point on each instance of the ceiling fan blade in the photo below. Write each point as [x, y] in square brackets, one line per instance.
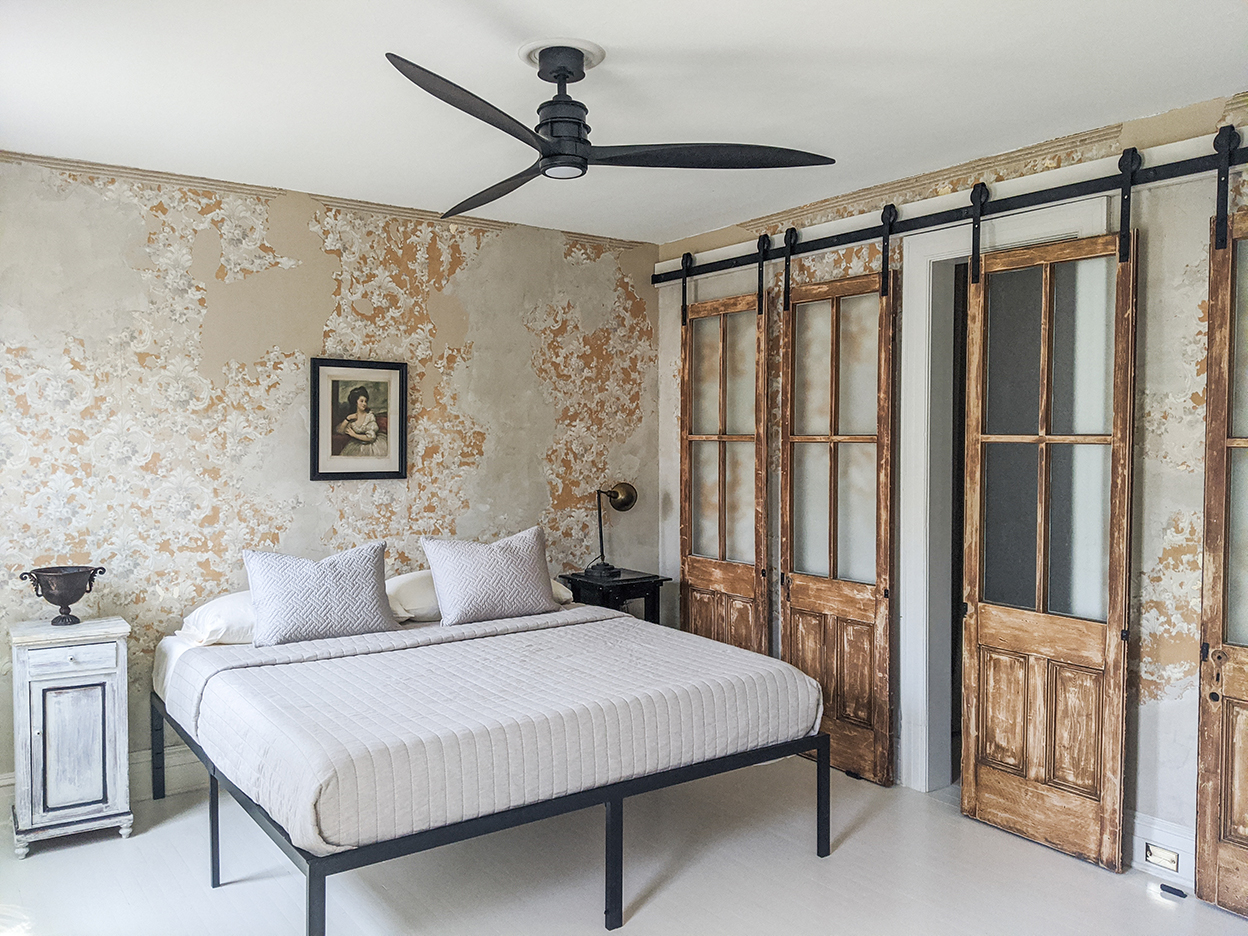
[705, 156]
[497, 190]
[466, 101]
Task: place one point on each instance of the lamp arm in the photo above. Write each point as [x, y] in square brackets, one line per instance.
[602, 553]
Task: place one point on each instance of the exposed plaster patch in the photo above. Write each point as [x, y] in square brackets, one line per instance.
[1166, 662]
[261, 291]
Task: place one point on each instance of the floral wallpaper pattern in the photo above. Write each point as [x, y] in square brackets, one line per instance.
[117, 448]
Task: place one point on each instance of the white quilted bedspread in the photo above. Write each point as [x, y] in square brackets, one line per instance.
[354, 740]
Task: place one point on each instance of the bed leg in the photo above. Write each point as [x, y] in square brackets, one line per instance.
[214, 827]
[316, 901]
[824, 794]
[615, 863]
[158, 752]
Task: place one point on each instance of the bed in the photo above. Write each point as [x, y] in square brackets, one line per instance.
[352, 750]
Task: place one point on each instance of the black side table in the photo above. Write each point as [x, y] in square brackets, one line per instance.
[612, 591]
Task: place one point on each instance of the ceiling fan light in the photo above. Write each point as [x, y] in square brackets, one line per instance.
[563, 171]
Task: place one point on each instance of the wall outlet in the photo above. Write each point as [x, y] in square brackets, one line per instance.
[1162, 857]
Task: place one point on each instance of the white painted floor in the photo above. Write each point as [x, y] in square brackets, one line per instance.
[730, 854]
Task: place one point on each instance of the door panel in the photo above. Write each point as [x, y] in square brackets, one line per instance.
[1222, 771]
[1004, 687]
[701, 613]
[1050, 389]
[723, 509]
[836, 511]
[1074, 726]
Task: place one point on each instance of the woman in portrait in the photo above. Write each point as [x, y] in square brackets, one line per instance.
[360, 426]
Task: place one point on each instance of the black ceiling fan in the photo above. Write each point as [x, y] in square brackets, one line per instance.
[561, 137]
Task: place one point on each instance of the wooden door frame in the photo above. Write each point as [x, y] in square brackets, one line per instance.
[1209, 782]
[730, 580]
[883, 690]
[1113, 715]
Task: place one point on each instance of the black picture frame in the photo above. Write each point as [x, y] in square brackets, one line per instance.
[330, 450]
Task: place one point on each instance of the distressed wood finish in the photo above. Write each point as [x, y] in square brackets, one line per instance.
[1043, 697]
[1222, 765]
[723, 599]
[71, 736]
[840, 631]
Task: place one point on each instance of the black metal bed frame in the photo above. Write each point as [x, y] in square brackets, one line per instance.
[316, 868]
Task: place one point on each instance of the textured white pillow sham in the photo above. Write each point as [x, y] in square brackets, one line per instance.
[413, 597]
[225, 620]
[487, 581]
[298, 599]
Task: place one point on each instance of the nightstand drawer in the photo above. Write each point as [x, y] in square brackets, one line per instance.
[48, 660]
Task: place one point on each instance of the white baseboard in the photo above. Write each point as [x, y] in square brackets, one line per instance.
[1139, 829]
[183, 773]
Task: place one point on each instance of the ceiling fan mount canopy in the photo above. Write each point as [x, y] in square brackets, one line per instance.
[560, 64]
[561, 136]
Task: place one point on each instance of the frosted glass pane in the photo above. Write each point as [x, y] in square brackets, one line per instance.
[741, 348]
[812, 468]
[739, 501]
[1009, 532]
[705, 495]
[857, 350]
[855, 511]
[1236, 576]
[704, 375]
[1239, 344]
[1014, 306]
[812, 369]
[1083, 346]
[1079, 530]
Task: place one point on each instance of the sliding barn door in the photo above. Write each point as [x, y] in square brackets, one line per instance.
[836, 511]
[1222, 793]
[1050, 350]
[723, 513]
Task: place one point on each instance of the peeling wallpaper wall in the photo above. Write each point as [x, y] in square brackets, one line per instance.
[154, 345]
[1173, 220]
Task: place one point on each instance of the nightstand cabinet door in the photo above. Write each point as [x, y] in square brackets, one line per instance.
[71, 739]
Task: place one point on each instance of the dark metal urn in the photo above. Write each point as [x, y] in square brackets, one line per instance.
[62, 586]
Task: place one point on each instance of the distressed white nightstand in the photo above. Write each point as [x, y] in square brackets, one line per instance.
[69, 729]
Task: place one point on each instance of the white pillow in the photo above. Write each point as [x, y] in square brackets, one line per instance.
[490, 581]
[413, 597]
[225, 620]
[297, 599]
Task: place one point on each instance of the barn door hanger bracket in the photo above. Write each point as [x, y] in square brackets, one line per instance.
[686, 264]
[887, 217]
[1128, 164]
[1226, 142]
[764, 244]
[979, 198]
[790, 241]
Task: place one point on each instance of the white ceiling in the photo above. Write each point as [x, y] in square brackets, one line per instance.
[297, 94]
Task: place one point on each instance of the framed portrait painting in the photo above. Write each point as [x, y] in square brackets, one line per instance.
[359, 419]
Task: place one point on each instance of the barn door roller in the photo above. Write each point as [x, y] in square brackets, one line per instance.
[979, 198]
[764, 244]
[1226, 142]
[1128, 164]
[887, 217]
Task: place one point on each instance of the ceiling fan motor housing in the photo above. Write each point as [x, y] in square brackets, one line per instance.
[561, 120]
